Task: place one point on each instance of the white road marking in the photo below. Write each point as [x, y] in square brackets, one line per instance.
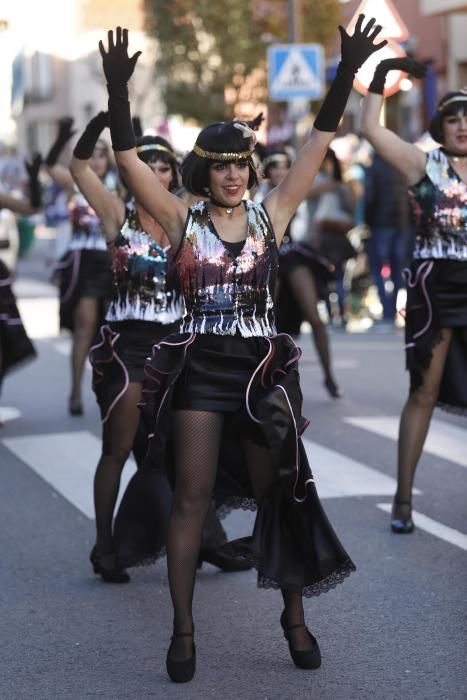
[8, 413]
[444, 439]
[433, 527]
[338, 476]
[66, 461]
[306, 365]
[39, 316]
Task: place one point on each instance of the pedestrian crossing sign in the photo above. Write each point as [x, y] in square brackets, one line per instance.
[296, 70]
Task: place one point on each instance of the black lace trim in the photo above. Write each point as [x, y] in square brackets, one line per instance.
[450, 408]
[234, 503]
[314, 589]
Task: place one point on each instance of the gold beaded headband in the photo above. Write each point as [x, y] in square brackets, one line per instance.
[457, 98]
[154, 147]
[213, 155]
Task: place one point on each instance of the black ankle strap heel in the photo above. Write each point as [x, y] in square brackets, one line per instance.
[399, 525]
[309, 659]
[181, 671]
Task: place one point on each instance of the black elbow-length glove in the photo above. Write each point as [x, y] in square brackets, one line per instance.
[65, 132]
[35, 190]
[88, 139]
[405, 64]
[355, 50]
[118, 69]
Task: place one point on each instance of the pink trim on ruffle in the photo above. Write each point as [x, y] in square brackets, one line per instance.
[113, 339]
[75, 259]
[421, 277]
[263, 365]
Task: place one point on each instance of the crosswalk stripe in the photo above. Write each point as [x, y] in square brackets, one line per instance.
[433, 527]
[338, 476]
[444, 440]
[40, 316]
[66, 461]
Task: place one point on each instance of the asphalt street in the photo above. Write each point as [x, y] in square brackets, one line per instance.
[396, 629]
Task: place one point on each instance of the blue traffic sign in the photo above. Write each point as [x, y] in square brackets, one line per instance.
[296, 70]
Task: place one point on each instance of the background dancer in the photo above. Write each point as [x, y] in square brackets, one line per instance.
[84, 271]
[436, 314]
[304, 276]
[228, 331]
[15, 345]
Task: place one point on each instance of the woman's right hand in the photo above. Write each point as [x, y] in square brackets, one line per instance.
[357, 48]
[117, 64]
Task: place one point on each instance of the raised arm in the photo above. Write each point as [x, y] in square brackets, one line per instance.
[163, 206]
[109, 208]
[282, 202]
[21, 205]
[59, 174]
[404, 156]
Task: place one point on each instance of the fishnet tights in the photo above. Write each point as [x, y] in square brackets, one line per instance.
[197, 441]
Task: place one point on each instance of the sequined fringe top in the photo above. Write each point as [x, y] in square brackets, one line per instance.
[226, 294]
[86, 227]
[144, 289]
[440, 208]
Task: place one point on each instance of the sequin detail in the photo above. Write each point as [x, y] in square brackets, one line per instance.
[86, 227]
[440, 207]
[144, 289]
[223, 294]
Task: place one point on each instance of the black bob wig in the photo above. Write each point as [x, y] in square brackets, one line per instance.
[221, 137]
[449, 105]
[161, 151]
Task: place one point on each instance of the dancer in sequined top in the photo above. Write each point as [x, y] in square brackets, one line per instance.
[83, 272]
[227, 388]
[143, 309]
[436, 314]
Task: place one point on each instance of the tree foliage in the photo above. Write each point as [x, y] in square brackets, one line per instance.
[205, 45]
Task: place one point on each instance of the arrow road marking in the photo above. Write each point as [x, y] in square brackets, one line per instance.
[423, 522]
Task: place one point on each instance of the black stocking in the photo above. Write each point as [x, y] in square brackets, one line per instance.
[85, 326]
[197, 436]
[303, 286]
[415, 422]
[262, 475]
[118, 436]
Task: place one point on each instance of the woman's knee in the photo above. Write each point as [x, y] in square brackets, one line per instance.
[425, 396]
[192, 501]
[120, 453]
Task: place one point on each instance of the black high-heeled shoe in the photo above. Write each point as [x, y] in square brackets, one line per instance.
[75, 407]
[333, 389]
[309, 659]
[181, 671]
[400, 525]
[109, 575]
[222, 560]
